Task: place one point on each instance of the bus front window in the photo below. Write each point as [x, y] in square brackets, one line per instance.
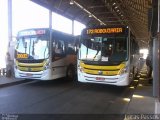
[104, 49]
[34, 47]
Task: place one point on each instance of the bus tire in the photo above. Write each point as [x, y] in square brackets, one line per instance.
[70, 74]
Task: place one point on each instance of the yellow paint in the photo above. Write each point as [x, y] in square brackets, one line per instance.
[31, 64]
[140, 85]
[138, 96]
[30, 69]
[23, 68]
[103, 72]
[131, 87]
[135, 80]
[106, 70]
[97, 67]
[126, 99]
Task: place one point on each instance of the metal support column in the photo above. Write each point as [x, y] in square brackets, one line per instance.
[10, 46]
[159, 47]
[155, 67]
[156, 84]
[9, 22]
[156, 58]
[50, 37]
[72, 27]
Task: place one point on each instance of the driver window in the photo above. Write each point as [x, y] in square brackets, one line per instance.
[107, 47]
[119, 47]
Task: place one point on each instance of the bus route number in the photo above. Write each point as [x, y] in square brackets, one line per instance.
[22, 56]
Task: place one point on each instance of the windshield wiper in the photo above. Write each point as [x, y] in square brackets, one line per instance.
[45, 50]
[95, 55]
[30, 47]
[33, 53]
[87, 53]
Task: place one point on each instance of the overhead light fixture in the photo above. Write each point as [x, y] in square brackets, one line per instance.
[114, 3]
[90, 15]
[85, 10]
[117, 10]
[71, 2]
[122, 15]
[116, 7]
[101, 23]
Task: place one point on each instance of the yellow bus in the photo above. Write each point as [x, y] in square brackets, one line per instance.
[108, 55]
[44, 54]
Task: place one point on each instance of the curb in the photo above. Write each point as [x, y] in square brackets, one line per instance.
[13, 83]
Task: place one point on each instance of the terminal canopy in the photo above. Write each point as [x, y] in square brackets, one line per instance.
[133, 13]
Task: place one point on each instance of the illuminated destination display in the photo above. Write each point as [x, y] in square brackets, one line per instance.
[32, 32]
[22, 55]
[104, 30]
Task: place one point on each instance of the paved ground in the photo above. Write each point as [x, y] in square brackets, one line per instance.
[61, 96]
[142, 100]
[9, 81]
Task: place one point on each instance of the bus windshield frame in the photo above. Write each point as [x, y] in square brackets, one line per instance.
[92, 48]
[32, 47]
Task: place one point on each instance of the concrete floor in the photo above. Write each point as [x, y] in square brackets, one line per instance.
[65, 97]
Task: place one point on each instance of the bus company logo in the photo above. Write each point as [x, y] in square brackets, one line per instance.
[100, 72]
[29, 69]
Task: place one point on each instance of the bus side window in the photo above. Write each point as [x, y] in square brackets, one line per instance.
[59, 47]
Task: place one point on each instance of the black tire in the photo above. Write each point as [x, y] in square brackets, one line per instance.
[70, 74]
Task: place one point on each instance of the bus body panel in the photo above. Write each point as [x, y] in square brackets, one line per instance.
[50, 68]
[105, 71]
[118, 80]
[114, 78]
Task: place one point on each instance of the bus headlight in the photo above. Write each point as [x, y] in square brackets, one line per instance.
[124, 70]
[46, 66]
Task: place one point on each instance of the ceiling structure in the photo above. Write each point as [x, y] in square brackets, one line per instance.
[133, 13]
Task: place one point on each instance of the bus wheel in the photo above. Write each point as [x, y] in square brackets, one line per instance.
[70, 75]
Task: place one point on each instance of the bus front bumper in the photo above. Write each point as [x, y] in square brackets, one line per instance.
[118, 80]
[42, 75]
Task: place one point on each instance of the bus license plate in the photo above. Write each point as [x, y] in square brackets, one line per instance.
[100, 78]
[28, 74]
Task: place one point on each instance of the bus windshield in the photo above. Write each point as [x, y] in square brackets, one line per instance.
[107, 49]
[34, 48]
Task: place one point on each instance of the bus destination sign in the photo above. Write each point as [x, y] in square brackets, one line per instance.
[32, 32]
[104, 30]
